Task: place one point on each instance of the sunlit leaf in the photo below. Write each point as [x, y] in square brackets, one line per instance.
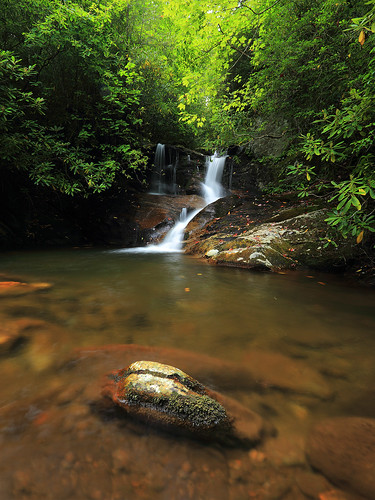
[362, 37]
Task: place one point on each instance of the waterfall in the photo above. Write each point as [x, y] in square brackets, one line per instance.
[212, 188]
[212, 191]
[173, 240]
[159, 164]
[165, 171]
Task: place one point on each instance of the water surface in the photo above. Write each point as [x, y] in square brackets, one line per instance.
[101, 297]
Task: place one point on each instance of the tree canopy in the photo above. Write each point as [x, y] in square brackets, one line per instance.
[85, 86]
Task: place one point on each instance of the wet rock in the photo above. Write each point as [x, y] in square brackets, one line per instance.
[37, 338]
[156, 214]
[270, 244]
[343, 449]
[167, 397]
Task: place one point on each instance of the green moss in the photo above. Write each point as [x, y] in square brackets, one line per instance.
[199, 411]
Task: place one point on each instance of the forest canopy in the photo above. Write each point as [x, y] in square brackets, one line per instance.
[86, 86]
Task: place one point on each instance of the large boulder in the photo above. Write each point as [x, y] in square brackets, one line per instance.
[288, 239]
[343, 449]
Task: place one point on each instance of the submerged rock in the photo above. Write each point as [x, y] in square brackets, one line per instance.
[165, 396]
[343, 449]
[273, 369]
[15, 288]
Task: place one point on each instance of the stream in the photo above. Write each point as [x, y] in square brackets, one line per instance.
[56, 443]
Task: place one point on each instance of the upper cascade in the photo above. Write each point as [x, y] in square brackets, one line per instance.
[165, 168]
[212, 187]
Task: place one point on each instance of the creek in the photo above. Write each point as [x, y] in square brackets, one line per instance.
[55, 445]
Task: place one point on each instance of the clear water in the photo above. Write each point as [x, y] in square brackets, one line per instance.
[167, 300]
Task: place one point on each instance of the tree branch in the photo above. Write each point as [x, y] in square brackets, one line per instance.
[243, 4]
[233, 47]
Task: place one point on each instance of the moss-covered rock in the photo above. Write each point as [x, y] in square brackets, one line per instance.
[288, 239]
[166, 396]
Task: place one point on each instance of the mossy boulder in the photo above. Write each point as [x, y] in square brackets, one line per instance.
[286, 240]
[167, 396]
[164, 396]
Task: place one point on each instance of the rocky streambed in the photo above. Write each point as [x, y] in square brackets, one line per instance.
[290, 384]
[98, 429]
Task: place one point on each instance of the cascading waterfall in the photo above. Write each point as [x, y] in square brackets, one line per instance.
[159, 164]
[165, 171]
[212, 188]
[212, 191]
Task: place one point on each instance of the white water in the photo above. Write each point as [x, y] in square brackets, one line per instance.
[212, 188]
[164, 174]
[212, 191]
[159, 164]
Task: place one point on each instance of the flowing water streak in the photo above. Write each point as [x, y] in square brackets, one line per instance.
[212, 188]
[212, 191]
[165, 171]
[159, 164]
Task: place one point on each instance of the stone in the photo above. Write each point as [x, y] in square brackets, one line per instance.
[258, 235]
[343, 449]
[166, 396]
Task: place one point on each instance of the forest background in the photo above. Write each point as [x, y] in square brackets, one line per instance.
[87, 86]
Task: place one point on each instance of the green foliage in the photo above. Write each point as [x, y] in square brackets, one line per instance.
[346, 134]
[77, 101]
[84, 85]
